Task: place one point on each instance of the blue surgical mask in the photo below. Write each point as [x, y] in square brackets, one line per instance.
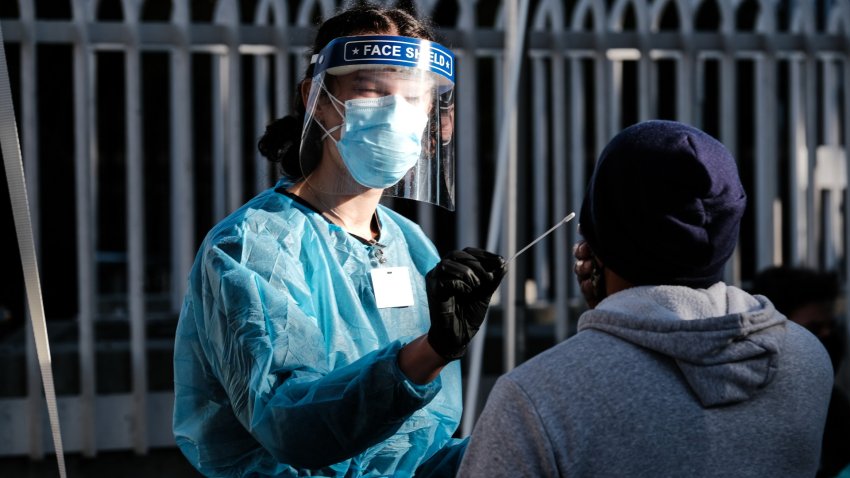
[381, 138]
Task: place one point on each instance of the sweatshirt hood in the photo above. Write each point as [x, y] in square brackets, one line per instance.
[725, 341]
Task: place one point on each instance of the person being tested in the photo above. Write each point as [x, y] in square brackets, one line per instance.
[320, 331]
[673, 373]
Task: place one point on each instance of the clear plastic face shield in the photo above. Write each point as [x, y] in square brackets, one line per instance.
[380, 115]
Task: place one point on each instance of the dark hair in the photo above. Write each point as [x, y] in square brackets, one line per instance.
[282, 139]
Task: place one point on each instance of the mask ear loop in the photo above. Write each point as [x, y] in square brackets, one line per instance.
[334, 102]
[328, 132]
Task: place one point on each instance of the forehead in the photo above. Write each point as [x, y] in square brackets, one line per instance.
[389, 77]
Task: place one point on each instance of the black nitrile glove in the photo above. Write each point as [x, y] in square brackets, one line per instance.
[459, 290]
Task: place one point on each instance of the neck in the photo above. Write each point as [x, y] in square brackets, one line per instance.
[614, 283]
[352, 212]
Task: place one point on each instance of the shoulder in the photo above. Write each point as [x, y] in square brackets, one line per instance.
[590, 364]
[406, 225]
[586, 348]
[269, 214]
[550, 372]
[512, 392]
[420, 245]
[804, 350]
[265, 236]
[510, 409]
[511, 436]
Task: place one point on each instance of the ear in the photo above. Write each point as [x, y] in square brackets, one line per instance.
[306, 84]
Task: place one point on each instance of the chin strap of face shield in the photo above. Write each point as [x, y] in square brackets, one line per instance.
[23, 225]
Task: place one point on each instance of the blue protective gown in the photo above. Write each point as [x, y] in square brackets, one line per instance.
[284, 365]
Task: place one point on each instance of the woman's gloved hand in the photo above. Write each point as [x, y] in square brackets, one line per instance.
[459, 288]
[588, 271]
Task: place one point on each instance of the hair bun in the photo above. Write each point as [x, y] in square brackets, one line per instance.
[280, 136]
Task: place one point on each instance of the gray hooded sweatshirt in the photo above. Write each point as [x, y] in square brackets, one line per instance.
[662, 381]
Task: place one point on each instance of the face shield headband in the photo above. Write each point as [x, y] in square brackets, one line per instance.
[384, 106]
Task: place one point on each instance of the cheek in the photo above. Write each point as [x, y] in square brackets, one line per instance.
[328, 116]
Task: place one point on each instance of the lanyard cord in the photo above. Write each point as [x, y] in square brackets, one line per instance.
[23, 226]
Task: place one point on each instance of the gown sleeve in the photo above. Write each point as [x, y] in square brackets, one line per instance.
[272, 361]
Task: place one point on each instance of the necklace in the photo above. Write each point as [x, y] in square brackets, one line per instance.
[375, 226]
[376, 249]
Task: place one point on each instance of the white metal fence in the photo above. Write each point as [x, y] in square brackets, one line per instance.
[165, 102]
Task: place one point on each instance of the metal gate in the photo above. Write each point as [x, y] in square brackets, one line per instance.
[139, 121]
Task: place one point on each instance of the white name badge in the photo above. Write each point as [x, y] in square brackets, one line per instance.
[392, 287]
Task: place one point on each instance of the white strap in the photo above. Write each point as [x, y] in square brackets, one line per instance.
[23, 226]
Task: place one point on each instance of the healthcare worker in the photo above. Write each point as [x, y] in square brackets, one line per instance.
[320, 331]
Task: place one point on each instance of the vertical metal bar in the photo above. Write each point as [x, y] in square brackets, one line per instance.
[227, 135]
[601, 88]
[182, 186]
[135, 184]
[29, 113]
[541, 196]
[283, 73]
[615, 95]
[728, 128]
[765, 160]
[832, 238]
[499, 142]
[262, 106]
[466, 131]
[797, 177]
[219, 105]
[29, 143]
[262, 117]
[845, 87]
[828, 253]
[776, 215]
[699, 93]
[830, 102]
[466, 197]
[84, 154]
[811, 148]
[512, 62]
[228, 16]
[495, 225]
[550, 187]
[563, 197]
[652, 87]
[578, 107]
[685, 87]
[646, 91]
[728, 97]
[264, 176]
